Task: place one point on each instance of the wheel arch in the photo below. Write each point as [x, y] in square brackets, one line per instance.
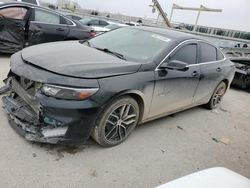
[138, 96]
[226, 82]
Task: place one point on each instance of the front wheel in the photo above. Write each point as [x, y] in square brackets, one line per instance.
[217, 96]
[116, 122]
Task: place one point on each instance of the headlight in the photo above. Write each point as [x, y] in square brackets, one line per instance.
[68, 93]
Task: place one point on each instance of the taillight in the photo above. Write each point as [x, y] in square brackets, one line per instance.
[93, 33]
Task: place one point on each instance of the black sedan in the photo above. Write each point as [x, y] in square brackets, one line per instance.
[67, 91]
[23, 25]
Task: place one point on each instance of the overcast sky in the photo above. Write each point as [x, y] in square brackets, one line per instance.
[235, 15]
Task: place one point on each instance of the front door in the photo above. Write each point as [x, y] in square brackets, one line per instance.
[13, 28]
[175, 89]
[46, 26]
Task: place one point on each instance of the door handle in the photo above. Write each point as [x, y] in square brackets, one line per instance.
[195, 74]
[60, 29]
[218, 69]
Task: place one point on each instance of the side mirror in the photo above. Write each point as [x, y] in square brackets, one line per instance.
[175, 65]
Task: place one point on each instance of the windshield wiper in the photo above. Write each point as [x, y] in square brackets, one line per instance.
[111, 52]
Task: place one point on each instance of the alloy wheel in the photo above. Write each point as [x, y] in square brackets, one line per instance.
[217, 97]
[119, 122]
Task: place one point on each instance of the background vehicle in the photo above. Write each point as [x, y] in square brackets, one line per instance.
[111, 83]
[210, 178]
[133, 23]
[74, 17]
[110, 27]
[24, 25]
[94, 22]
[114, 25]
[242, 74]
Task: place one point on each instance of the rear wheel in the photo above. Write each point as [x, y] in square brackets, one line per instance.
[116, 122]
[217, 96]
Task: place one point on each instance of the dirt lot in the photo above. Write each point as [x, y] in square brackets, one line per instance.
[157, 152]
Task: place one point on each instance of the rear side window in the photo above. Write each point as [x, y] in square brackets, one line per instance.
[220, 56]
[46, 17]
[208, 53]
[187, 54]
[17, 13]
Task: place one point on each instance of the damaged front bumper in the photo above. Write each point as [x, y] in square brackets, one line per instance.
[43, 119]
[31, 132]
[24, 113]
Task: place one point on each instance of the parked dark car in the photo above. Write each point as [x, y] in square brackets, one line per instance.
[94, 22]
[23, 25]
[66, 91]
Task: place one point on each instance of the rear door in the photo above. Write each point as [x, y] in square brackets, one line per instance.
[47, 26]
[13, 28]
[211, 64]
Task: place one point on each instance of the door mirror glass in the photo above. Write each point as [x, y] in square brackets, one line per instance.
[175, 65]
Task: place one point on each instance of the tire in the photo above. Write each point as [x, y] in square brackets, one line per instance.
[217, 96]
[116, 122]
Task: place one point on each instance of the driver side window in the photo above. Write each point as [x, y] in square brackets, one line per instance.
[187, 54]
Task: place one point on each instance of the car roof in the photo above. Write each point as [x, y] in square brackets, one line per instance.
[178, 35]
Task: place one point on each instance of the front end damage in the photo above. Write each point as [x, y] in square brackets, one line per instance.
[39, 118]
[24, 114]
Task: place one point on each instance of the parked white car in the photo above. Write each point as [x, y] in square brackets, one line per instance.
[210, 178]
[111, 26]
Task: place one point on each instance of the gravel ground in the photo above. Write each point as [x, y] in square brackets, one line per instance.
[157, 152]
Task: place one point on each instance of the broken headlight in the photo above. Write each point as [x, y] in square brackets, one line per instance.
[68, 93]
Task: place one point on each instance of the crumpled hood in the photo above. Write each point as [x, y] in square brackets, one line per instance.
[74, 59]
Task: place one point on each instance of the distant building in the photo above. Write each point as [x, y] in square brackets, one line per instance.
[219, 31]
[68, 4]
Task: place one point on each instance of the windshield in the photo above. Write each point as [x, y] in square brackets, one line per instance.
[133, 44]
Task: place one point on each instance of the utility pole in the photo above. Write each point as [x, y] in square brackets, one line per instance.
[156, 5]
